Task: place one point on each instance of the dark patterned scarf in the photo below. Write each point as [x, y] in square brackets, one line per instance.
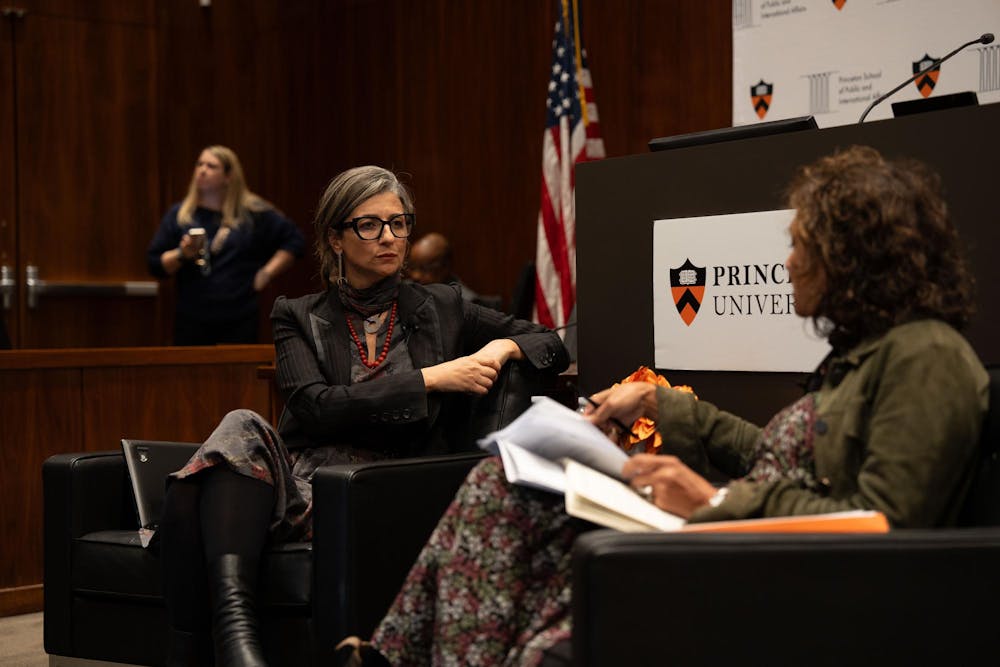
[371, 300]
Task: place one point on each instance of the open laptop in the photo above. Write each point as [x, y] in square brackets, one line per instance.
[149, 462]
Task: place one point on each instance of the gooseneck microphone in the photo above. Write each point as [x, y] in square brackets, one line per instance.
[986, 38]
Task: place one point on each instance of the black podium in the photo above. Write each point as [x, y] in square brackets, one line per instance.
[618, 199]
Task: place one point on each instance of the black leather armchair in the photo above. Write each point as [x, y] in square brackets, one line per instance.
[103, 595]
[906, 597]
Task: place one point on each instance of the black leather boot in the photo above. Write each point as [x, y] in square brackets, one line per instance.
[188, 649]
[232, 582]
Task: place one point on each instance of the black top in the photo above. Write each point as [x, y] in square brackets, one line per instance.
[227, 293]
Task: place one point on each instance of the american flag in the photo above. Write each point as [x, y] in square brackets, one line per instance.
[572, 134]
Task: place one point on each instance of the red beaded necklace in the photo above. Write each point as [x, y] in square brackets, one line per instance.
[385, 346]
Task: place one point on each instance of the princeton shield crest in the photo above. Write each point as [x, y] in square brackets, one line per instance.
[760, 96]
[839, 4]
[687, 286]
[929, 78]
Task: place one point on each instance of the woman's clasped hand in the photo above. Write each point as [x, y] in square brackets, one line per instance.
[475, 373]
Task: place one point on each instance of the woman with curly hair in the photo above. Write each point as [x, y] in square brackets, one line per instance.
[890, 422]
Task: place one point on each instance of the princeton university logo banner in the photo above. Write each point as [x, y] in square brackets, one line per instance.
[830, 59]
[722, 299]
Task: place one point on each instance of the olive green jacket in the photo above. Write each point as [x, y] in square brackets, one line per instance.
[897, 434]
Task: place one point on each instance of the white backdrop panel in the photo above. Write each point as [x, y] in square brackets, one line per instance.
[831, 63]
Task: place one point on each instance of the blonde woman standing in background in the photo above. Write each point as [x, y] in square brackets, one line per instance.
[244, 245]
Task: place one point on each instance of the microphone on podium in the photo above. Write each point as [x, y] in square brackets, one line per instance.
[986, 38]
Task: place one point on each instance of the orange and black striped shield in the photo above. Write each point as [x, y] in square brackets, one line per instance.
[760, 97]
[687, 286]
[928, 79]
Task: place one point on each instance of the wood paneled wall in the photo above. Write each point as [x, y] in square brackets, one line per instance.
[451, 93]
[87, 400]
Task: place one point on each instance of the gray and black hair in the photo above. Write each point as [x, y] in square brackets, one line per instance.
[346, 192]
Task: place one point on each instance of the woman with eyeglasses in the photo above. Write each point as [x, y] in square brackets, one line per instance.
[371, 367]
[224, 244]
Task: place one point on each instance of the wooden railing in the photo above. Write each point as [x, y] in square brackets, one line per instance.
[69, 400]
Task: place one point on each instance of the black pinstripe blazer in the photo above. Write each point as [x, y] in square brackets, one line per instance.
[394, 414]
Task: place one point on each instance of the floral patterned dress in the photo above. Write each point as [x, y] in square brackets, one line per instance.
[492, 585]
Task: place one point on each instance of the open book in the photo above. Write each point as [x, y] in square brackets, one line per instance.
[553, 448]
[552, 432]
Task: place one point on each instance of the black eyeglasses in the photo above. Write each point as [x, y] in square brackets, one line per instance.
[369, 227]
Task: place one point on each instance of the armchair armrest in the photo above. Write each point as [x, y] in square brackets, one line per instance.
[370, 522]
[83, 492]
[88, 491]
[906, 597]
[517, 382]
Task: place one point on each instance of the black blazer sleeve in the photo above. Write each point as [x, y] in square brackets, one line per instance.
[541, 347]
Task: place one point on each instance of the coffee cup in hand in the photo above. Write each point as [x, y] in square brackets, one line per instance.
[199, 243]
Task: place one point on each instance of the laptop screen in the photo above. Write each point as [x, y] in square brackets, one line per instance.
[149, 462]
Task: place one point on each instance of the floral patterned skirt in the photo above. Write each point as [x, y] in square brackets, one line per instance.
[492, 585]
[247, 444]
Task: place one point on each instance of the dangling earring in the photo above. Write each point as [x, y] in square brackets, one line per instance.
[340, 269]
